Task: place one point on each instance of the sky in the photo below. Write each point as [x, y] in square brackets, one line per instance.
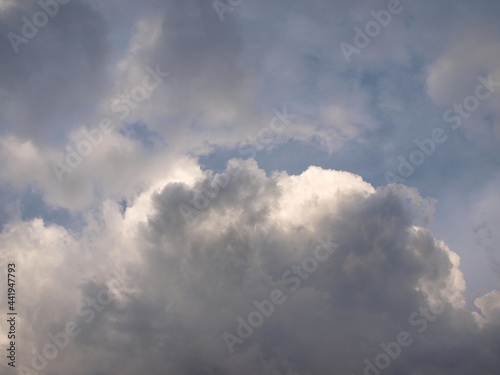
[250, 187]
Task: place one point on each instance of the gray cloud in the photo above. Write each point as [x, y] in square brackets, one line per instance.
[58, 78]
[196, 278]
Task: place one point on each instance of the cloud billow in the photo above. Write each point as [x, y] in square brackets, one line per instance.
[197, 277]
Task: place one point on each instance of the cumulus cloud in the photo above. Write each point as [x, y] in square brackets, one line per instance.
[119, 118]
[187, 282]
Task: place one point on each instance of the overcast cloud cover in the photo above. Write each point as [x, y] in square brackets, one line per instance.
[250, 187]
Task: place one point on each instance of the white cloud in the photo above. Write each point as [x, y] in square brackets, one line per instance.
[192, 280]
